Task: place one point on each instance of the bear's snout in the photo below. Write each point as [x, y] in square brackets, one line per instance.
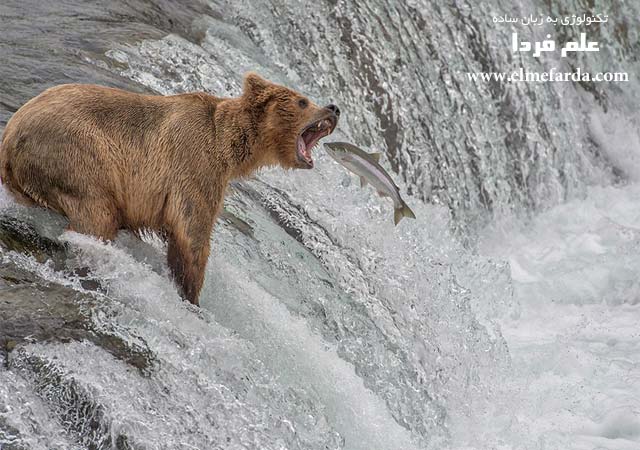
[334, 109]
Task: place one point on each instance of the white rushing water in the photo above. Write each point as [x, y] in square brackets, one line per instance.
[574, 344]
[504, 316]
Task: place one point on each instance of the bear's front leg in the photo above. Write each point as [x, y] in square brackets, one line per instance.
[189, 244]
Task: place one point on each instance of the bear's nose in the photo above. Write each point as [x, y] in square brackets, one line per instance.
[334, 109]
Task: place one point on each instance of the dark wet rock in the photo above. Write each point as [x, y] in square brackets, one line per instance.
[76, 408]
[10, 437]
[70, 39]
[33, 309]
[20, 236]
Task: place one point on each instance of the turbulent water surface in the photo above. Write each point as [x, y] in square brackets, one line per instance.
[504, 316]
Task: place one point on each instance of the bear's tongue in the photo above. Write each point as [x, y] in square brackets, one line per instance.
[310, 138]
[304, 151]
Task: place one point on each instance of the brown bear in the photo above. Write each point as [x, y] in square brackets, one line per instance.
[109, 159]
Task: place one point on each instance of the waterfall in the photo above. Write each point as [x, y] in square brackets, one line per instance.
[323, 326]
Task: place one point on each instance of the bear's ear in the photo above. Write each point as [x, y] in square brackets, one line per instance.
[254, 84]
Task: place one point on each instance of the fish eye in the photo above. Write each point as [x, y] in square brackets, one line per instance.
[303, 103]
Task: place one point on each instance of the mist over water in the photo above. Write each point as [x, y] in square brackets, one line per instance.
[504, 316]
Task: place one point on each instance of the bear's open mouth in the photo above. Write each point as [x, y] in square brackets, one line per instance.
[309, 138]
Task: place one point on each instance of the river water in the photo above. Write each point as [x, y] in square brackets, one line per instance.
[504, 316]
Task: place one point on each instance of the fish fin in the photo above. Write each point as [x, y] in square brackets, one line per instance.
[363, 181]
[375, 156]
[383, 194]
[402, 211]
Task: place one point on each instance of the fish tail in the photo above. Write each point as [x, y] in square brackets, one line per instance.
[402, 211]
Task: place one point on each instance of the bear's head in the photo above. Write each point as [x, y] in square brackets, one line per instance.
[287, 124]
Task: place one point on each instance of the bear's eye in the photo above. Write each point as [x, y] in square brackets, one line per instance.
[303, 103]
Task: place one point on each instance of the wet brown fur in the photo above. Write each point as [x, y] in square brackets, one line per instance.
[109, 159]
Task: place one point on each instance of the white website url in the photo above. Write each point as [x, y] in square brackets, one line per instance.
[547, 77]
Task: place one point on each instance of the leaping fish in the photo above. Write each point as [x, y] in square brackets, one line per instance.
[366, 166]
